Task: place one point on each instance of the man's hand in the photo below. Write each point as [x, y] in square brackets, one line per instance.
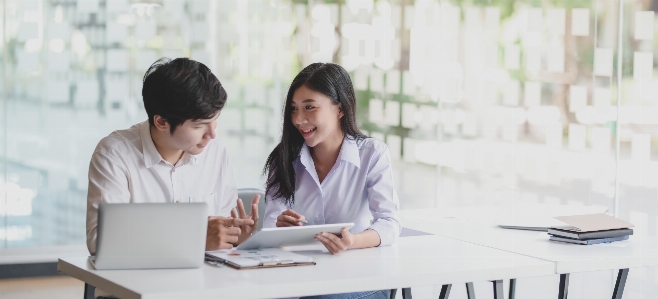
[223, 232]
[246, 229]
[290, 218]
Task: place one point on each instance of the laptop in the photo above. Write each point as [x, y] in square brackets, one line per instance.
[151, 236]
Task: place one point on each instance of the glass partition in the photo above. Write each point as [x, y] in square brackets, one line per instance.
[480, 102]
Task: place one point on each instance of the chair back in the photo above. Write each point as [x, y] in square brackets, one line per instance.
[247, 195]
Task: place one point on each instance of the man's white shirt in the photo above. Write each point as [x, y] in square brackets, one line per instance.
[127, 168]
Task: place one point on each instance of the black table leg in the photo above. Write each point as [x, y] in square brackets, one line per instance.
[470, 291]
[564, 286]
[512, 288]
[498, 289]
[619, 285]
[445, 291]
[89, 291]
[406, 293]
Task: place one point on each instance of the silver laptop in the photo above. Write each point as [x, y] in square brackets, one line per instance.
[151, 236]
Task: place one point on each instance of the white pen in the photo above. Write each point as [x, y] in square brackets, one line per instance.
[303, 221]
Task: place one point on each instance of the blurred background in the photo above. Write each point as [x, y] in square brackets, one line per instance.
[481, 102]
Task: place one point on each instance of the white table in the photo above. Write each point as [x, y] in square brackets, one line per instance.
[414, 261]
[477, 225]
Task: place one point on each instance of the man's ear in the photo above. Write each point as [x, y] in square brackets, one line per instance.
[160, 123]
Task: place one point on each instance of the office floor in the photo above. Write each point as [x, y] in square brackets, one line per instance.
[60, 287]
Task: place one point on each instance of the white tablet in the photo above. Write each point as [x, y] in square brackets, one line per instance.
[290, 236]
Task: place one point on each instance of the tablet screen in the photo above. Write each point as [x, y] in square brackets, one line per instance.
[290, 236]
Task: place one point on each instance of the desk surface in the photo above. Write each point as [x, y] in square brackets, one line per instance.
[414, 261]
[475, 226]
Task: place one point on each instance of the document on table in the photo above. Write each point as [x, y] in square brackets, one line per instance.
[258, 258]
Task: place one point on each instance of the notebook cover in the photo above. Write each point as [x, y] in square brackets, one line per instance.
[594, 222]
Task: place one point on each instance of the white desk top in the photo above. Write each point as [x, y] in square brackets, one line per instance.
[414, 261]
[637, 252]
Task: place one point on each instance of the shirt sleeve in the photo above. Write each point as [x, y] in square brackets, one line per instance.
[108, 183]
[227, 188]
[273, 208]
[382, 198]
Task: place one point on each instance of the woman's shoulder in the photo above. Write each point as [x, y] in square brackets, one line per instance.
[370, 145]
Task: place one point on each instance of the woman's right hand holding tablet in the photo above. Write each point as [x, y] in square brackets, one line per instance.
[290, 218]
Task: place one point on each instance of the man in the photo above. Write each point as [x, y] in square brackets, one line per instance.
[173, 156]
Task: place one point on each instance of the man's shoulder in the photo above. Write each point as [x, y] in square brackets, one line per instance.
[121, 141]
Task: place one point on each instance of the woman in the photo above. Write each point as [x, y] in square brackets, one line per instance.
[325, 170]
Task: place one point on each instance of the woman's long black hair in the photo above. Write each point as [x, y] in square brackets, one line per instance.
[333, 81]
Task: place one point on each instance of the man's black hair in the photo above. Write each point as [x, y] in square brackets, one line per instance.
[181, 89]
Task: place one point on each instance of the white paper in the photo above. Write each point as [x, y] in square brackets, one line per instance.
[409, 17]
[535, 19]
[511, 93]
[601, 139]
[644, 25]
[553, 136]
[392, 113]
[200, 31]
[116, 33]
[27, 30]
[255, 94]
[145, 30]
[469, 126]
[87, 6]
[577, 134]
[116, 89]
[117, 60]
[555, 59]
[580, 22]
[253, 120]
[603, 62]
[577, 98]
[556, 20]
[409, 150]
[512, 57]
[86, 93]
[144, 59]
[643, 66]
[602, 98]
[394, 143]
[361, 79]
[409, 88]
[409, 115]
[58, 92]
[376, 111]
[641, 147]
[59, 62]
[533, 59]
[532, 94]
[393, 82]
[491, 20]
[117, 6]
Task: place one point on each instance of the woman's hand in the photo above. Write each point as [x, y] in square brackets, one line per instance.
[336, 244]
[290, 218]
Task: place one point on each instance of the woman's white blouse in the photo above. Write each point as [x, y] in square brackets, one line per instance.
[359, 188]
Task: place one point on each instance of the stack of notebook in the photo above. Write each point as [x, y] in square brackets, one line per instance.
[590, 229]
